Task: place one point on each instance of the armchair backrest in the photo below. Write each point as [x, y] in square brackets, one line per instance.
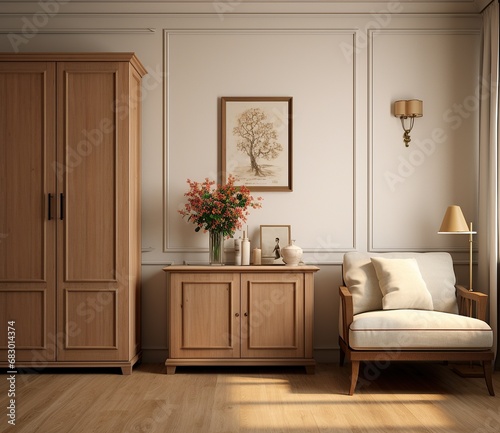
[436, 269]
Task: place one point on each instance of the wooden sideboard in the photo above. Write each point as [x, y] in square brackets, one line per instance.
[240, 315]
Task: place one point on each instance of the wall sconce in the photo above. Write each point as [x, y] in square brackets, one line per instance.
[408, 110]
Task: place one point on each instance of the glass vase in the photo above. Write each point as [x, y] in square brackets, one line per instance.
[216, 248]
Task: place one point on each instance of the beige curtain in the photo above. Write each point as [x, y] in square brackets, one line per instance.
[489, 163]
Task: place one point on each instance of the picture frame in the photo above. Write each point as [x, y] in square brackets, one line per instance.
[272, 236]
[263, 164]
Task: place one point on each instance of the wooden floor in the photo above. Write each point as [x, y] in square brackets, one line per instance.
[402, 398]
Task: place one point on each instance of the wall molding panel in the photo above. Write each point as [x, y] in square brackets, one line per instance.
[227, 7]
[439, 167]
[328, 56]
[83, 31]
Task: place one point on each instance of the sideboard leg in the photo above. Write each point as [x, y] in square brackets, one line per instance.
[310, 369]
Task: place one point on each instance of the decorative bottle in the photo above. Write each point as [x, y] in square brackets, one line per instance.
[245, 250]
[237, 251]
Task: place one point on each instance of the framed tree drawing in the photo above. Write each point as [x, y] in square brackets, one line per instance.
[257, 142]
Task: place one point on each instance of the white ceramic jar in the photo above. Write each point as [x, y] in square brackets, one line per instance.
[291, 254]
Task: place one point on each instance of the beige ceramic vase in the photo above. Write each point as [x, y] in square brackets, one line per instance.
[291, 254]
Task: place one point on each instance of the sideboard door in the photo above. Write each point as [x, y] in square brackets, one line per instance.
[205, 309]
[272, 306]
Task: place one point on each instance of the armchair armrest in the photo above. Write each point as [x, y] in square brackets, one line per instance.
[347, 311]
[467, 300]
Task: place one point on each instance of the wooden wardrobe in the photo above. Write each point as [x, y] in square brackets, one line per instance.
[70, 225]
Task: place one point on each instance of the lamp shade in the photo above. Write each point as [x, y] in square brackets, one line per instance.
[414, 107]
[454, 221]
[400, 108]
[409, 108]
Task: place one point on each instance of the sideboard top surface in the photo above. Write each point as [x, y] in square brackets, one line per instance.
[233, 268]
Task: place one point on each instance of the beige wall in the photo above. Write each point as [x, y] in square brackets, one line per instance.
[356, 187]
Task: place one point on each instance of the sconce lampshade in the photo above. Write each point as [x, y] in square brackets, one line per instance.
[409, 108]
[414, 108]
[454, 221]
[400, 108]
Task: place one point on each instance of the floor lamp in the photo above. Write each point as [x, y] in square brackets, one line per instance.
[454, 223]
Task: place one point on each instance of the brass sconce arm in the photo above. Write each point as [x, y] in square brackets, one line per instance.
[406, 135]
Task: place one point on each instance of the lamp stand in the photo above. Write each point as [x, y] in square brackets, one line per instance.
[470, 258]
[454, 222]
[469, 370]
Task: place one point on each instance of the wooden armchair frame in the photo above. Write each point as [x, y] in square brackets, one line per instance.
[468, 303]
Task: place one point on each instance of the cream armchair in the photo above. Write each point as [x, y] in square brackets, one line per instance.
[406, 307]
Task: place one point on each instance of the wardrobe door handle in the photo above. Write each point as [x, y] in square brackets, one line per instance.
[50, 206]
[61, 208]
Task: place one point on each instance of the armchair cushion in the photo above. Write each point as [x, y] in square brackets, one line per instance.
[436, 269]
[418, 330]
[401, 284]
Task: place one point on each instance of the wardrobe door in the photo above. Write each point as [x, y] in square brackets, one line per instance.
[92, 177]
[27, 211]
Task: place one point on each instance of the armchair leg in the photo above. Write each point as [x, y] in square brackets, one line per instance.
[488, 369]
[341, 357]
[354, 376]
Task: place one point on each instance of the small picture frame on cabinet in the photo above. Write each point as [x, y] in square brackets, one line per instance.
[272, 239]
